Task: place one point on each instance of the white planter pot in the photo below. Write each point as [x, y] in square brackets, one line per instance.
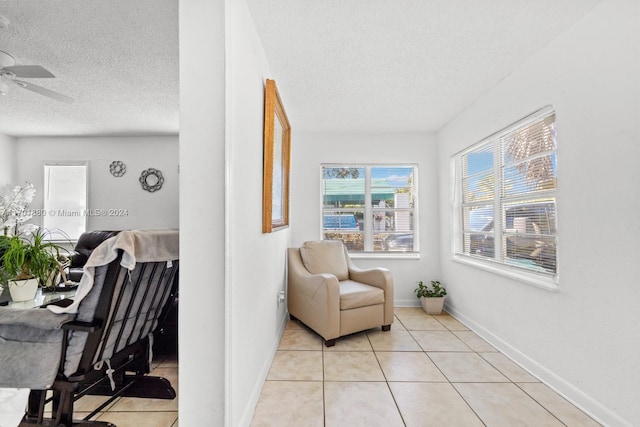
[432, 305]
[23, 290]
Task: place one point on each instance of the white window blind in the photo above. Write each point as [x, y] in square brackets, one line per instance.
[372, 208]
[65, 200]
[505, 202]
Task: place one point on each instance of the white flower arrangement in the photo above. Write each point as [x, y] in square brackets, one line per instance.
[13, 209]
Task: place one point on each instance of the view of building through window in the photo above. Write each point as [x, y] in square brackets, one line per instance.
[506, 196]
[371, 208]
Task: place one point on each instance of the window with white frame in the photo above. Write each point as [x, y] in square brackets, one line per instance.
[371, 208]
[505, 199]
[65, 200]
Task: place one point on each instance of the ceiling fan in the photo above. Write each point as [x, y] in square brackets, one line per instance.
[10, 72]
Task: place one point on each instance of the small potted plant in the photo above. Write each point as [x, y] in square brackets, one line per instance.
[432, 298]
[28, 262]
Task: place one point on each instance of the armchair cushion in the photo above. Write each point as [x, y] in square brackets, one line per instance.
[325, 256]
[356, 294]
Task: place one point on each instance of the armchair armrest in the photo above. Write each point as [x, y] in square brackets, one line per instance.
[77, 325]
[317, 286]
[77, 260]
[380, 278]
[313, 298]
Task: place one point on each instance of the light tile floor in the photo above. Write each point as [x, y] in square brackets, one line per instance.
[427, 371]
[137, 412]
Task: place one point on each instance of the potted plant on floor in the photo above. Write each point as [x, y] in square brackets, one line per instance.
[432, 298]
[27, 262]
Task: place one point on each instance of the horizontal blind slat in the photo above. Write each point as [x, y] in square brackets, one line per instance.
[524, 209]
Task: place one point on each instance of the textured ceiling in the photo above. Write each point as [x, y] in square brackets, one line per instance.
[403, 65]
[117, 58]
[340, 65]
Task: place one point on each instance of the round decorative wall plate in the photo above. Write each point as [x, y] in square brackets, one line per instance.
[117, 168]
[151, 180]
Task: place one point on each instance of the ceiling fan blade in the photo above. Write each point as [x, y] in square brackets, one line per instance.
[29, 71]
[44, 91]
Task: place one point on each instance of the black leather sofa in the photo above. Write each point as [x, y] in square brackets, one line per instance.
[86, 244]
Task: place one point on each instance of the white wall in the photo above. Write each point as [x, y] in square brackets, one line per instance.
[257, 261]
[7, 161]
[202, 214]
[583, 340]
[310, 150]
[143, 209]
[230, 271]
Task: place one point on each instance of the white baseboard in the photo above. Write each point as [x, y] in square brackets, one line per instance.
[245, 421]
[413, 302]
[577, 397]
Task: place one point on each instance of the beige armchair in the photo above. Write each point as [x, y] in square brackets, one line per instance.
[332, 296]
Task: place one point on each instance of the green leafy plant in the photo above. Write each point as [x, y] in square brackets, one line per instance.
[434, 291]
[25, 257]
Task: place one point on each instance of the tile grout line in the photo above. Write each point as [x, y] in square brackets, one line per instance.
[477, 350]
[478, 353]
[438, 368]
[324, 397]
[543, 406]
[456, 390]
[386, 380]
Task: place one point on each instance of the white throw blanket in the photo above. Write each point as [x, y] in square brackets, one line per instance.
[138, 246]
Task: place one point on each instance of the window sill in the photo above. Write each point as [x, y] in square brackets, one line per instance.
[385, 255]
[541, 281]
